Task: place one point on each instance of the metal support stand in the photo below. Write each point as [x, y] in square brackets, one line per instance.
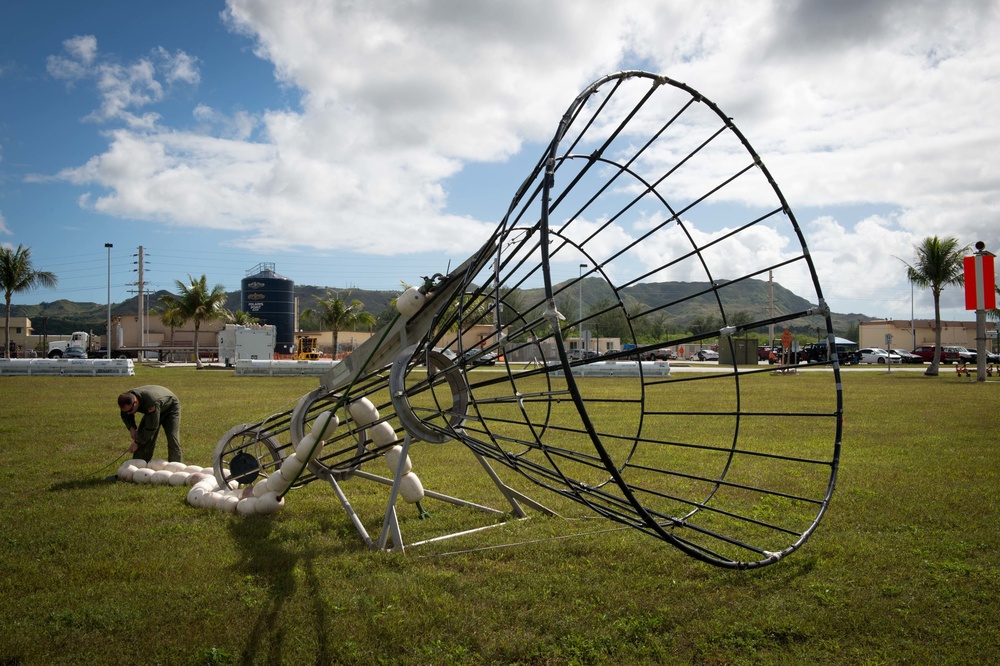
[390, 537]
[390, 523]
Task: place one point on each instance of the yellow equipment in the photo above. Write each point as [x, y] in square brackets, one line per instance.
[307, 349]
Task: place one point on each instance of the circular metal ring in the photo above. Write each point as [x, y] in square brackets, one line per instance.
[438, 365]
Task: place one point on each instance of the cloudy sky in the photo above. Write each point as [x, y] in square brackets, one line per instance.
[367, 144]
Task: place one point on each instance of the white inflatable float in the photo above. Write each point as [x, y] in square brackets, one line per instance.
[266, 496]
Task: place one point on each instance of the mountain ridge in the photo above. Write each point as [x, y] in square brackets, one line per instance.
[748, 296]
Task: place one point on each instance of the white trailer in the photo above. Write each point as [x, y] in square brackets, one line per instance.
[254, 342]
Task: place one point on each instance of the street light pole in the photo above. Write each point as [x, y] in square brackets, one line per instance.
[108, 336]
[580, 285]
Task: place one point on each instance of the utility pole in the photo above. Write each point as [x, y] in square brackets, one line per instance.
[770, 292]
[108, 337]
[140, 284]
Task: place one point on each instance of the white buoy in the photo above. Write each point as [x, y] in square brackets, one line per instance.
[161, 477]
[210, 499]
[277, 483]
[270, 503]
[194, 496]
[126, 471]
[307, 448]
[208, 483]
[392, 460]
[228, 504]
[382, 434]
[410, 488]
[156, 464]
[291, 467]
[178, 478]
[362, 411]
[410, 302]
[324, 420]
[260, 488]
[175, 466]
[247, 506]
[142, 475]
[192, 469]
[138, 463]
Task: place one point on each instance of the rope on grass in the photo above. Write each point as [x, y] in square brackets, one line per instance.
[525, 543]
[105, 467]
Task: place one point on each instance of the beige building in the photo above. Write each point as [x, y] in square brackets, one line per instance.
[153, 334]
[20, 336]
[921, 332]
[125, 333]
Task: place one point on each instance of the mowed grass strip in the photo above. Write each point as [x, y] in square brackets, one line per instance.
[903, 568]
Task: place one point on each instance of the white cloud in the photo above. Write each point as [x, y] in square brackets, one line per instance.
[123, 88]
[179, 66]
[884, 104]
[4, 229]
[82, 48]
[239, 126]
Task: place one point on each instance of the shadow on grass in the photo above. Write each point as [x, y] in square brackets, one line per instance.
[79, 484]
[268, 564]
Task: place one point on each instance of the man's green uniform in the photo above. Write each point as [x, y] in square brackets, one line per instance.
[159, 408]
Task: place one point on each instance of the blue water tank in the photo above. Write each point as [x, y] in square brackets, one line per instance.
[271, 298]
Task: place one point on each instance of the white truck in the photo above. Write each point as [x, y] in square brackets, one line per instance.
[59, 348]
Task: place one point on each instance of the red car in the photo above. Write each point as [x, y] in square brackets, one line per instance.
[948, 354]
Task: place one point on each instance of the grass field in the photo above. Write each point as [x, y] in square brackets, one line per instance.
[902, 570]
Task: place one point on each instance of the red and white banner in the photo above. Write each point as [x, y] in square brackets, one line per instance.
[980, 282]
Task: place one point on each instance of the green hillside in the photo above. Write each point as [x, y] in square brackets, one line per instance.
[748, 296]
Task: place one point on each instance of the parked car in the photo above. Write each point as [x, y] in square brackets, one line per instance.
[659, 355]
[879, 356]
[816, 352]
[74, 352]
[964, 355]
[769, 354]
[907, 357]
[476, 356]
[707, 355]
[948, 354]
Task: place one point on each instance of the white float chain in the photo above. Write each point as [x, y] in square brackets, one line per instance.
[265, 496]
[365, 414]
[205, 491]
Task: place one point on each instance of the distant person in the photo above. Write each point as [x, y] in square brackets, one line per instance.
[159, 409]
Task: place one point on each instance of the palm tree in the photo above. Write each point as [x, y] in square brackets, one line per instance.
[338, 315]
[17, 275]
[241, 318]
[995, 312]
[171, 315]
[940, 262]
[196, 303]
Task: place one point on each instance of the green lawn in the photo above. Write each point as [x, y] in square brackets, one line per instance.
[903, 568]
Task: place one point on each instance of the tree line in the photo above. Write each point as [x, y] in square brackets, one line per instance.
[939, 262]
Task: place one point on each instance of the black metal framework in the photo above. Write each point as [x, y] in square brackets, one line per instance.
[651, 199]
